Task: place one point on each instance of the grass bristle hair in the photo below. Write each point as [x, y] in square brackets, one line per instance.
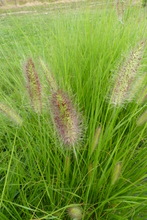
[34, 86]
[66, 118]
[127, 73]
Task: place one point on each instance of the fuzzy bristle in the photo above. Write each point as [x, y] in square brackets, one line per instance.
[65, 117]
[96, 139]
[34, 86]
[75, 212]
[116, 172]
[49, 77]
[143, 96]
[136, 87]
[142, 119]
[10, 113]
[126, 76]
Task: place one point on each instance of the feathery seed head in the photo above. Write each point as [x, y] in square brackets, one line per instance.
[136, 87]
[65, 117]
[34, 86]
[126, 75]
[49, 76]
[75, 212]
[116, 172]
[142, 119]
[143, 96]
[11, 114]
[96, 139]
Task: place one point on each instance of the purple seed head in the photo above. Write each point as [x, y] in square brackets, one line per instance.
[65, 117]
[34, 87]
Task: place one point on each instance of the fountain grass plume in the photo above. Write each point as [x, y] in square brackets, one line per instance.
[142, 119]
[143, 96]
[116, 172]
[136, 87]
[66, 118]
[49, 77]
[75, 212]
[96, 139]
[34, 86]
[126, 75]
[10, 114]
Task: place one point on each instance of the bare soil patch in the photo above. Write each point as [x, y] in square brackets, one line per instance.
[20, 4]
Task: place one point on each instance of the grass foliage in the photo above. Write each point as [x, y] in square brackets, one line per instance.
[40, 177]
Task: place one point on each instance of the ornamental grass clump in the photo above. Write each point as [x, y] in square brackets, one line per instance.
[34, 86]
[66, 118]
[39, 175]
[10, 114]
[127, 74]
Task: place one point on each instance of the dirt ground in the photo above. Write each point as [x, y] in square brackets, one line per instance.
[28, 3]
[25, 3]
[28, 7]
